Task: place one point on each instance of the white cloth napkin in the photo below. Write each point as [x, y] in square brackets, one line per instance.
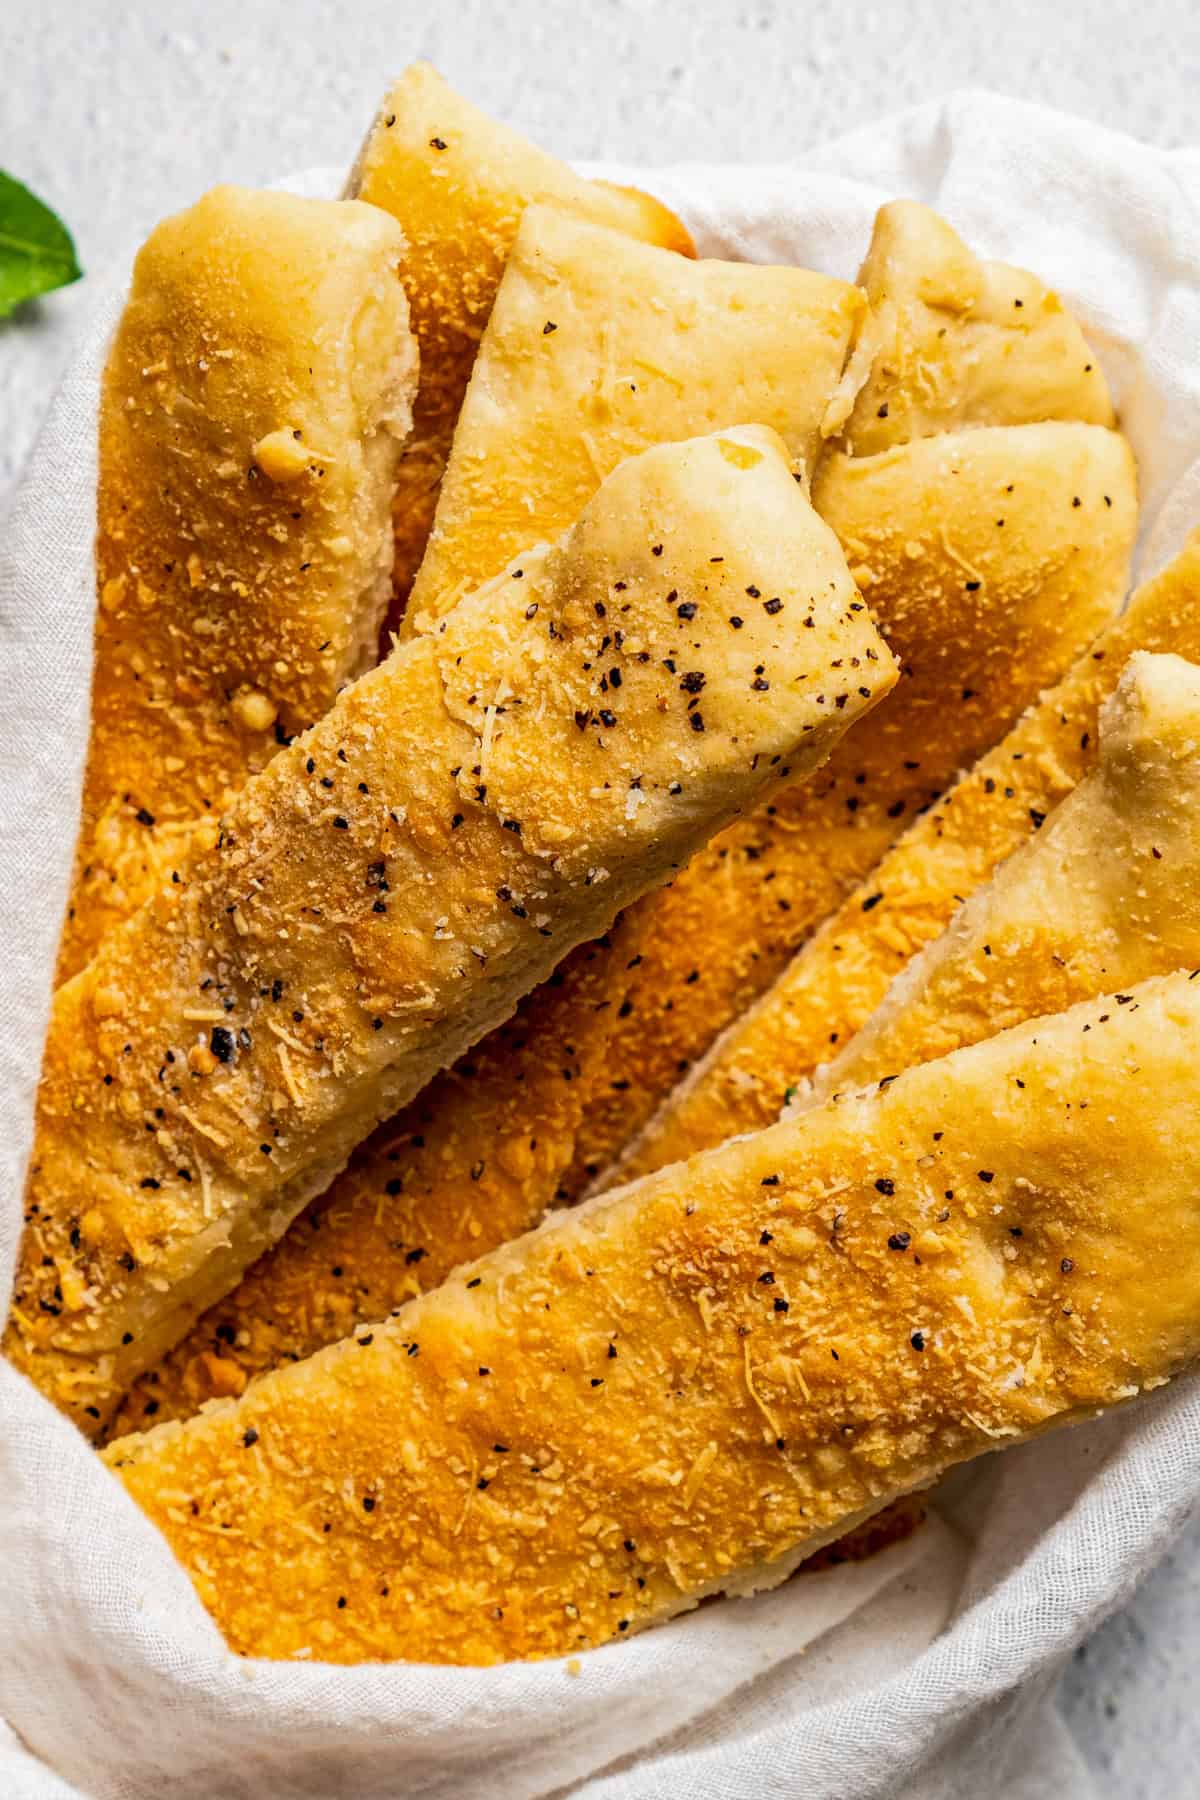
[918, 1676]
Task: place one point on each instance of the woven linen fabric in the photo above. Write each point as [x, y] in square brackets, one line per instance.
[920, 1675]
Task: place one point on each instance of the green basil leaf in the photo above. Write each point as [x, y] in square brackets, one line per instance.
[36, 252]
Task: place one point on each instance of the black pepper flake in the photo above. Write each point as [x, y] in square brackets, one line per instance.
[986, 1175]
[765, 1237]
[885, 1185]
[781, 1306]
[692, 682]
[899, 1240]
[548, 327]
[686, 609]
[697, 722]
[249, 1436]
[435, 143]
[917, 1340]
[773, 606]
[736, 622]
[871, 901]
[769, 1181]
[606, 717]
[368, 1503]
[1066, 1265]
[143, 817]
[1038, 818]
[340, 824]
[222, 1043]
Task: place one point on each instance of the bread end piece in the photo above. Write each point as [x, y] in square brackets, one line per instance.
[952, 341]
[458, 183]
[255, 399]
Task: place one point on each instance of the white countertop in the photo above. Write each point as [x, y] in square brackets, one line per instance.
[118, 114]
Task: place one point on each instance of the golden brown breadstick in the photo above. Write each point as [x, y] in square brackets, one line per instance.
[684, 1387]
[597, 346]
[952, 341]
[838, 979]
[734, 917]
[384, 892]
[254, 403]
[1104, 896]
[458, 183]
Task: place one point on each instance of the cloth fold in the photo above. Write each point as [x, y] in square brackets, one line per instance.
[921, 1673]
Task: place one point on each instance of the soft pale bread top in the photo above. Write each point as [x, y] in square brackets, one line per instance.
[254, 402]
[598, 346]
[840, 977]
[952, 341]
[458, 183]
[383, 893]
[1104, 895]
[682, 1388]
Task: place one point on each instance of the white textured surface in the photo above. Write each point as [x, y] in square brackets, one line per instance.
[119, 115]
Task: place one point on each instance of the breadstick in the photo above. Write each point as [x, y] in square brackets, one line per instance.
[1105, 895]
[597, 346]
[384, 892]
[953, 342]
[458, 182]
[458, 1173]
[843, 973]
[686, 1386]
[254, 402]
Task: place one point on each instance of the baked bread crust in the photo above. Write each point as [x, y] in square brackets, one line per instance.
[683, 1387]
[458, 182]
[383, 893]
[953, 342]
[253, 406]
[598, 346]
